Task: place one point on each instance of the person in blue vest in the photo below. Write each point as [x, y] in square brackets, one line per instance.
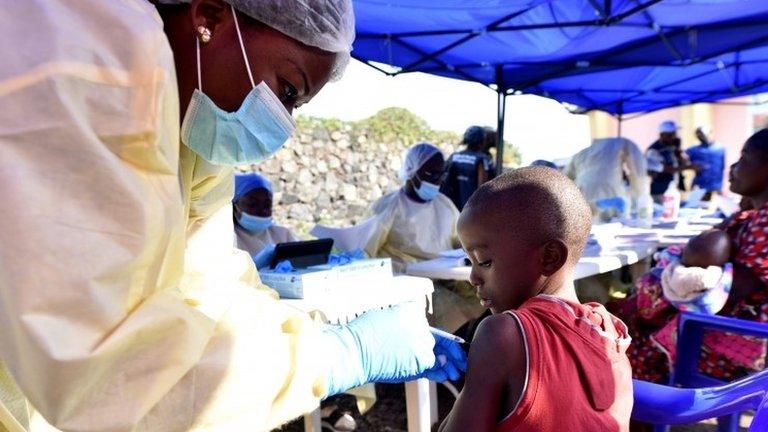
[467, 169]
[490, 143]
[710, 157]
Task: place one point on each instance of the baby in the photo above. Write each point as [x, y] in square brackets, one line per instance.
[710, 248]
[701, 281]
[542, 361]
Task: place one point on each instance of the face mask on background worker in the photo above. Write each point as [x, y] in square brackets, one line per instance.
[426, 190]
[252, 202]
[254, 224]
[425, 183]
[252, 133]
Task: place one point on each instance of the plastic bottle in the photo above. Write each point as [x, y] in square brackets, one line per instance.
[671, 201]
[645, 210]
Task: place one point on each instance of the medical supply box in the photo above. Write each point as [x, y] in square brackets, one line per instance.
[319, 281]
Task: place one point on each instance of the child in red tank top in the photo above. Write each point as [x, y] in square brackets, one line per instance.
[542, 361]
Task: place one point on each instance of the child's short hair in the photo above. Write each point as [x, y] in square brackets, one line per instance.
[537, 204]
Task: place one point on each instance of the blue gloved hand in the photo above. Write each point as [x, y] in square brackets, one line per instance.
[388, 345]
[264, 258]
[451, 360]
[284, 266]
[616, 203]
[343, 258]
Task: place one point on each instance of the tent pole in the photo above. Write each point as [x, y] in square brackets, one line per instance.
[621, 118]
[500, 110]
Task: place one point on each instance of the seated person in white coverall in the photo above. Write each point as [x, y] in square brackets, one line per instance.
[252, 211]
[124, 305]
[416, 223]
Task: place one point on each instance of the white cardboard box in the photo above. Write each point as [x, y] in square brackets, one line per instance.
[373, 267]
[300, 284]
[317, 281]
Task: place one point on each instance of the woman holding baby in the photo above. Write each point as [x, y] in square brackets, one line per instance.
[694, 278]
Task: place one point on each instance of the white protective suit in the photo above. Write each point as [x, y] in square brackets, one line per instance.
[123, 304]
[598, 170]
[410, 231]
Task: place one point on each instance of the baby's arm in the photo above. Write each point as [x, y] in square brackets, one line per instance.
[497, 363]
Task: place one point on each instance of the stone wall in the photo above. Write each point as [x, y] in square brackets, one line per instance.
[330, 171]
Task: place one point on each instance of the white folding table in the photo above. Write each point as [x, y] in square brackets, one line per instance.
[593, 262]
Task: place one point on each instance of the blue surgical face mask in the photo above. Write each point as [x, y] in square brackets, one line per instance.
[427, 191]
[251, 134]
[254, 224]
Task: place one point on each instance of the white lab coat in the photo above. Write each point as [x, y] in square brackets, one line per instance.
[123, 303]
[597, 170]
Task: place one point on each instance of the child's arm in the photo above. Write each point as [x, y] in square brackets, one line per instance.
[497, 363]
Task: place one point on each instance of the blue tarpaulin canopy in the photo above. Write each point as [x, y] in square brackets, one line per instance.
[619, 56]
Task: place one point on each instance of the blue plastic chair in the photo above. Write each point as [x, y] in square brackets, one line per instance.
[656, 403]
[686, 371]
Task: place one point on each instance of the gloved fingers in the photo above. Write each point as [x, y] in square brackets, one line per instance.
[457, 356]
[442, 372]
[452, 351]
[451, 371]
[436, 374]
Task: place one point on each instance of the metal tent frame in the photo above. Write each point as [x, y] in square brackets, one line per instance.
[677, 42]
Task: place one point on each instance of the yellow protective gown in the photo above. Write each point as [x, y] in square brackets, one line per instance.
[409, 231]
[123, 303]
[598, 170]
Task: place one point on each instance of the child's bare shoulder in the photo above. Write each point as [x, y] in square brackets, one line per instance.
[499, 341]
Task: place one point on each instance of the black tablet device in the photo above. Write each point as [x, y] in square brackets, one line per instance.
[304, 253]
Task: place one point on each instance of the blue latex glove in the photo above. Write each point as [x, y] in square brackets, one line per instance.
[264, 258]
[616, 204]
[343, 258]
[388, 345]
[451, 361]
[284, 266]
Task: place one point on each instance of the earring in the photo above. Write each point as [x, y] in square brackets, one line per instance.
[204, 34]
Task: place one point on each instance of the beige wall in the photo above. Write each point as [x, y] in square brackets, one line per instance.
[732, 125]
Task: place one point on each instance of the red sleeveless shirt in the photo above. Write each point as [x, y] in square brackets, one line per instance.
[578, 375]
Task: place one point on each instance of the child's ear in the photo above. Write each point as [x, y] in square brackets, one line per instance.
[553, 257]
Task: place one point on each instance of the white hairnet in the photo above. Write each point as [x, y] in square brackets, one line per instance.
[325, 24]
[415, 158]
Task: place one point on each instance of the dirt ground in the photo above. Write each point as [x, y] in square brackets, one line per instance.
[388, 415]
